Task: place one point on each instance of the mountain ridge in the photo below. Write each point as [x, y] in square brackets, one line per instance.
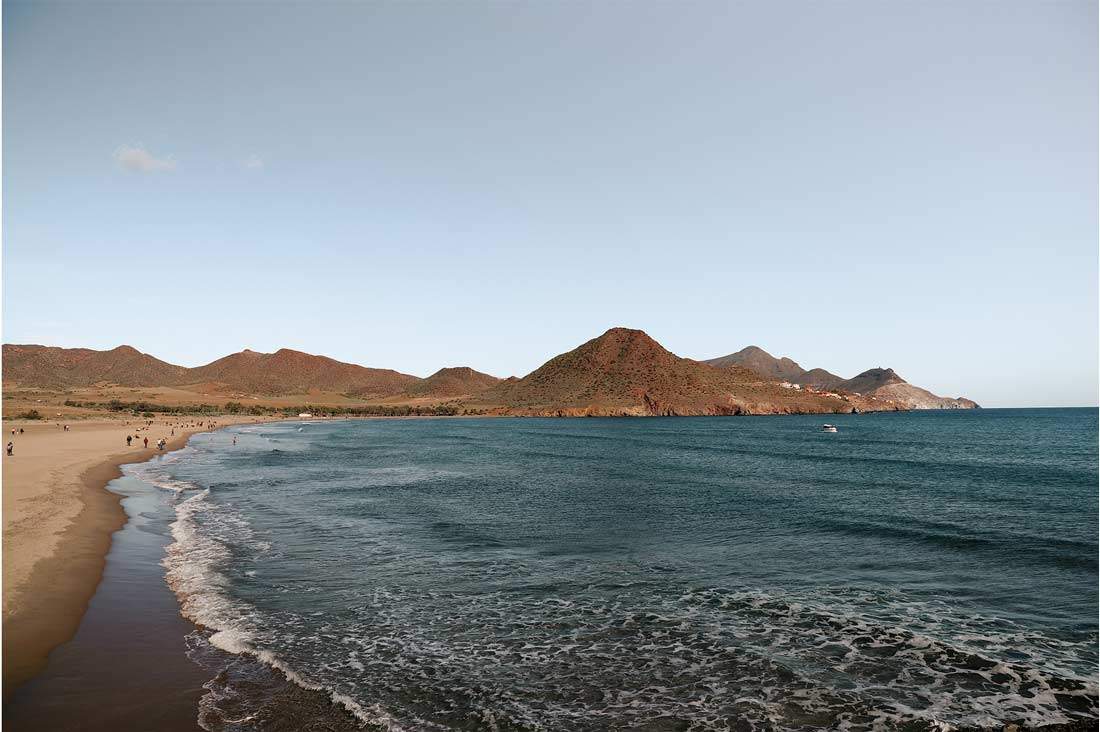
[883, 383]
[620, 372]
[624, 372]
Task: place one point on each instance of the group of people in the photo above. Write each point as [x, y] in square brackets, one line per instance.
[160, 444]
[10, 448]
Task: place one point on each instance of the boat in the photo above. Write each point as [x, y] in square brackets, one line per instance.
[828, 428]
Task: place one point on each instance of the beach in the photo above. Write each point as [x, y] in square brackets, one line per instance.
[58, 520]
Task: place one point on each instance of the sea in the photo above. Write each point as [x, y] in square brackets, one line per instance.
[929, 570]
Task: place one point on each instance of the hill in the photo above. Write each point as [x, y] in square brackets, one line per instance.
[777, 369]
[871, 380]
[886, 384]
[819, 379]
[454, 382]
[625, 372]
[622, 372]
[282, 372]
[762, 362]
[880, 383]
[293, 372]
[50, 367]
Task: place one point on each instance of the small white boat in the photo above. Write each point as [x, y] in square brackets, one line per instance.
[828, 428]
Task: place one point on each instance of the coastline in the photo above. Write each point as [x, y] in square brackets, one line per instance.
[51, 572]
[43, 606]
[278, 681]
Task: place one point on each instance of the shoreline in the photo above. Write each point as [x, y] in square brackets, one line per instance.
[305, 695]
[52, 598]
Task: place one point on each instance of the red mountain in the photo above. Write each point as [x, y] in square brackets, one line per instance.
[55, 368]
[625, 372]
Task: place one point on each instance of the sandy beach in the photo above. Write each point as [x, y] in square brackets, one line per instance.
[57, 524]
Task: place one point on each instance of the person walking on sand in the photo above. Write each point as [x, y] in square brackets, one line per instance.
[146, 443]
[11, 446]
[129, 438]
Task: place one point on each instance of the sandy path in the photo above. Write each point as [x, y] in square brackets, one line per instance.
[57, 526]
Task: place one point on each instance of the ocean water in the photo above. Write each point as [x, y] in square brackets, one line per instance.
[927, 570]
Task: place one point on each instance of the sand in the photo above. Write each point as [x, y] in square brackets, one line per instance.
[57, 526]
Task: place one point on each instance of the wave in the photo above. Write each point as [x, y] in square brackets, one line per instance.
[590, 660]
[1020, 546]
[192, 565]
[518, 641]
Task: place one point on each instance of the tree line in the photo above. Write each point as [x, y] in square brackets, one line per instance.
[148, 409]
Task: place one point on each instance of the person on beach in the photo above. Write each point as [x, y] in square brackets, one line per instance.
[11, 446]
[146, 443]
[129, 438]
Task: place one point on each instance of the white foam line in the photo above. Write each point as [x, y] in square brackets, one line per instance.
[192, 574]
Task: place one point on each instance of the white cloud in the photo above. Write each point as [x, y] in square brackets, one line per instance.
[254, 162]
[140, 160]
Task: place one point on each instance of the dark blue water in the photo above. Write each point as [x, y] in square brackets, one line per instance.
[928, 568]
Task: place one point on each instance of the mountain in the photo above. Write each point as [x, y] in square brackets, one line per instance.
[777, 369]
[819, 379]
[877, 383]
[293, 372]
[49, 367]
[625, 372]
[762, 362]
[886, 384]
[282, 372]
[870, 380]
[458, 381]
[622, 372]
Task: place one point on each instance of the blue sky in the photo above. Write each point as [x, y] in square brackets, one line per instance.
[417, 185]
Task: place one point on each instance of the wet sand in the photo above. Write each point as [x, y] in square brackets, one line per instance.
[57, 526]
[126, 667]
[136, 663]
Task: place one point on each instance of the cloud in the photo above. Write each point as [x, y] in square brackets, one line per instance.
[140, 160]
[254, 162]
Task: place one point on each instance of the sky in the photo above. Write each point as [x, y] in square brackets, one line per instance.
[414, 185]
